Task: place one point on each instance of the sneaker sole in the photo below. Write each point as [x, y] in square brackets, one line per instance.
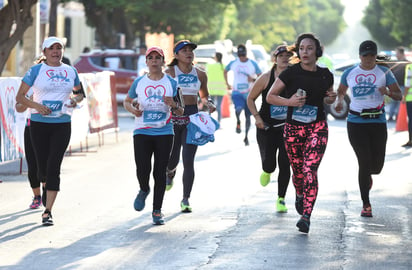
[302, 226]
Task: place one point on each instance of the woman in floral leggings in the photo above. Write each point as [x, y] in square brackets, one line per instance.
[307, 86]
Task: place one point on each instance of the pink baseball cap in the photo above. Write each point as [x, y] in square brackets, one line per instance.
[155, 49]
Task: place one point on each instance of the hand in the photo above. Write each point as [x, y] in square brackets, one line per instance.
[330, 97]
[339, 106]
[170, 102]
[211, 107]
[71, 104]
[297, 101]
[259, 122]
[42, 109]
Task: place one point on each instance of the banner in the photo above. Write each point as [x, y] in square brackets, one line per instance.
[99, 98]
[12, 123]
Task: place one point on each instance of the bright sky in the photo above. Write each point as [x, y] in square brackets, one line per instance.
[354, 10]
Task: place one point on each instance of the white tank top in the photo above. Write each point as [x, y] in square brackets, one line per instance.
[189, 83]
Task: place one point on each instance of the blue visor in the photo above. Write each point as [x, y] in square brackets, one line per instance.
[183, 44]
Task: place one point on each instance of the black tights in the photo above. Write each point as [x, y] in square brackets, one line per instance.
[50, 141]
[145, 146]
[369, 143]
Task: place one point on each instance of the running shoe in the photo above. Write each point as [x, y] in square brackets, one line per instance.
[264, 179]
[157, 217]
[139, 202]
[47, 219]
[303, 224]
[246, 141]
[281, 205]
[184, 205]
[366, 211]
[299, 204]
[36, 202]
[238, 130]
[408, 144]
[169, 179]
[44, 196]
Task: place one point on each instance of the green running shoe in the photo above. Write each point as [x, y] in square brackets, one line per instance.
[170, 174]
[264, 179]
[184, 205]
[281, 205]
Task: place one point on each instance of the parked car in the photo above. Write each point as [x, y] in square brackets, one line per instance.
[260, 56]
[397, 67]
[122, 62]
[205, 53]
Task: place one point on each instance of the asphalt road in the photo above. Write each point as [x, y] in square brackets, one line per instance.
[234, 224]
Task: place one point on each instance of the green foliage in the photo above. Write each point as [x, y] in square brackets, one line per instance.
[326, 13]
[267, 22]
[389, 22]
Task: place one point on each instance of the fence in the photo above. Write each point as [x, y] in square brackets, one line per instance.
[96, 114]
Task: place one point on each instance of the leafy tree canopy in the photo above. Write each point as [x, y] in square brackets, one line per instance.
[389, 22]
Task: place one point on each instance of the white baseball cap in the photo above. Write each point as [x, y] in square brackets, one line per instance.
[48, 42]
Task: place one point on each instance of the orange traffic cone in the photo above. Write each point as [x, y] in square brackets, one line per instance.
[401, 119]
[225, 106]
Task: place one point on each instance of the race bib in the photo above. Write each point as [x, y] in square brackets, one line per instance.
[278, 112]
[55, 106]
[305, 114]
[154, 118]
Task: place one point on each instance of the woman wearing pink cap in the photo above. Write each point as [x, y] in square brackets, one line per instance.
[193, 83]
[56, 91]
[151, 99]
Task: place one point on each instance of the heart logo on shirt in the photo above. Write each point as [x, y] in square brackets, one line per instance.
[155, 92]
[60, 75]
[365, 79]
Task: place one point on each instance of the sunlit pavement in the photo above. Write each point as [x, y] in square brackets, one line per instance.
[233, 225]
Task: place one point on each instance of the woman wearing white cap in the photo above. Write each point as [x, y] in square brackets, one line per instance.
[366, 121]
[270, 122]
[193, 83]
[151, 99]
[56, 91]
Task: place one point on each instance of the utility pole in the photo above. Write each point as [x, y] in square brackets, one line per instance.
[53, 17]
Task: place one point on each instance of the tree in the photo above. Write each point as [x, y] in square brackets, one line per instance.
[270, 22]
[15, 18]
[389, 22]
[326, 13]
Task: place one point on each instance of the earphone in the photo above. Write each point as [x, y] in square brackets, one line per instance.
[319, 51]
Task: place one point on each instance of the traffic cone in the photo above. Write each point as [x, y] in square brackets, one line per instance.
[401, 119]
[225, 106]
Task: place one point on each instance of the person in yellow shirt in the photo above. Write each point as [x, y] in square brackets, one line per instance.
[216, 83]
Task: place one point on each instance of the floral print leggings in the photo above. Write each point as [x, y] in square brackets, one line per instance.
[305, 145]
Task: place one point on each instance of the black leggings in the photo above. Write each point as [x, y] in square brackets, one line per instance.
[369, 143]
[50, 141]
[31, 160]
[409, 112]
[188, 153]
[145, 146]
[270, 142]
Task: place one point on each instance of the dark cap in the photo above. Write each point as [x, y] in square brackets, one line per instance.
[182, 44]
[280, 49]
[368, 47]
[241, 50]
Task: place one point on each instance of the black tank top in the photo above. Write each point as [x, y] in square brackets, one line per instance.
[264, 111]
